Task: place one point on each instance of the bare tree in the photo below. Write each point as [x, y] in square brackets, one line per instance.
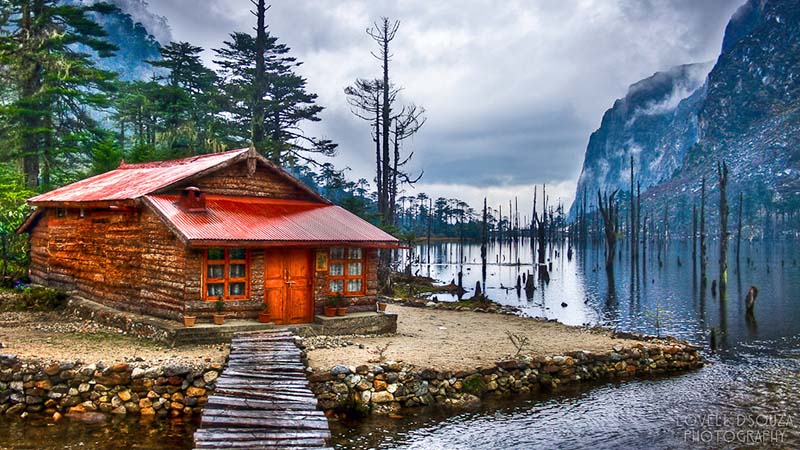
[610, 215]
[383, 33]
[406, 124]
[365, 99]
[722, 170]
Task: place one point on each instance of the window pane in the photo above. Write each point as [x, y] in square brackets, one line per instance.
[354, 285]
[236, 289]
[237, 270]
[337, 285]
[337, 253]
[336, 270]
[215, 289]
[355, 253]
[237, 253]
[216, 253]
[216, 270]
[354, 268]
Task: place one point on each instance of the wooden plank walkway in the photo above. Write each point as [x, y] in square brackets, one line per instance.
[262, 399]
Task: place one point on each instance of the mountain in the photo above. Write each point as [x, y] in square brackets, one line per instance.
[656, 123]
[138, 33]
[746, 112]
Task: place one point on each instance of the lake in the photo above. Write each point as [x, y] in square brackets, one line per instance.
[749, 395]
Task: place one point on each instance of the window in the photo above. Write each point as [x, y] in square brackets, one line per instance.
[226, 274]
[346, 271]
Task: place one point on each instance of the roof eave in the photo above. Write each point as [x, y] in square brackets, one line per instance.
[82, 204]
[205, 243]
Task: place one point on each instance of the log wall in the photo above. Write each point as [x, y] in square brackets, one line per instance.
[235, 180]
[126, 259]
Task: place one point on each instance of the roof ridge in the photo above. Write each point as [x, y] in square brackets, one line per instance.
[176, 162]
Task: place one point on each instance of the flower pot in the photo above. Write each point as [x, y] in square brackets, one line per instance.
[189, 321]
[341, 311]
[263, 317]
[381, 306]
[330, 311]
[219, 319]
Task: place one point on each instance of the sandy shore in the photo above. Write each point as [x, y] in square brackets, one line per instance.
[51, 336]
[459, 340]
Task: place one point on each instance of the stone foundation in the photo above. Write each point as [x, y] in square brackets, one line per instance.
[69, 388]
[172, 333]
[385, 388]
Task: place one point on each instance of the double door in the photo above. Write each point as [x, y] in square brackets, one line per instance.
[288, 285]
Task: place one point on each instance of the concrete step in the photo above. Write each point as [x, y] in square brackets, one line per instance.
[214, 334]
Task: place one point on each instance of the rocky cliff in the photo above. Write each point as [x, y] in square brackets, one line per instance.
[746, 111]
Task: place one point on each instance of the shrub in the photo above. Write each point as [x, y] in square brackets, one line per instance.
[37, 298]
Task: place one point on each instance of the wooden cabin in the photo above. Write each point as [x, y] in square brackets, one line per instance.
[169, 238]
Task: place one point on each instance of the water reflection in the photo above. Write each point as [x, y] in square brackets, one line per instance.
[118, 433]
[753, 372]
[629, 297]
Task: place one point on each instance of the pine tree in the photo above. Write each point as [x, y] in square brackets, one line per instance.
[268, 101]
[186, 101]
[45, 53]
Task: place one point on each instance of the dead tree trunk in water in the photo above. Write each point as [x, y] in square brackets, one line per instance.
[694, 237]
[703, 279]
[638, 217]
[484, 239]
[739, 231]
[541, 233]
[631, 225]
[430, 219]
[722, 169]
[607, 210]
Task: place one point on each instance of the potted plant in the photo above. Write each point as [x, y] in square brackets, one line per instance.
[381, 306]
[341, 305]
[189, 320]
[263, 315]
[330, 307]
[219, 318]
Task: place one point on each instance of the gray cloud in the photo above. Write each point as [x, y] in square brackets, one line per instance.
[513, 89]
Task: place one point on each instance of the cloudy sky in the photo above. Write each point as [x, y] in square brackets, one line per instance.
[512, 89]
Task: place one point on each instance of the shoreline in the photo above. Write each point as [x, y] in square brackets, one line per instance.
[351, 380]
[431, 362]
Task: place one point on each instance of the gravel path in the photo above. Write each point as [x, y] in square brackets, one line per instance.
[458, 340]
[51, 336]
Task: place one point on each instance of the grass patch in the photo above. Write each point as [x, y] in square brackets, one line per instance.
[110, 338]
[475, 385]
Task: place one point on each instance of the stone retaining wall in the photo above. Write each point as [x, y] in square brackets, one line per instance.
[385, 388]
[68, 388]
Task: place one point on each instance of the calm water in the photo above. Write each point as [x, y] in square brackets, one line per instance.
[749, 397]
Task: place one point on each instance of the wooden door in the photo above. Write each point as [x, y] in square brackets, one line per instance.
[288, 285]
[299, 304]
[275, 285]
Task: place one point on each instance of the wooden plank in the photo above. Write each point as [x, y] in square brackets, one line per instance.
[263, 443]
[245, 393]
[222, 402]
[252, 422]
[244, 434]
[312, 415]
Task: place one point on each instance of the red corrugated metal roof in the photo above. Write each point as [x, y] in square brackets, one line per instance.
[237, 219]
[131, 181]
